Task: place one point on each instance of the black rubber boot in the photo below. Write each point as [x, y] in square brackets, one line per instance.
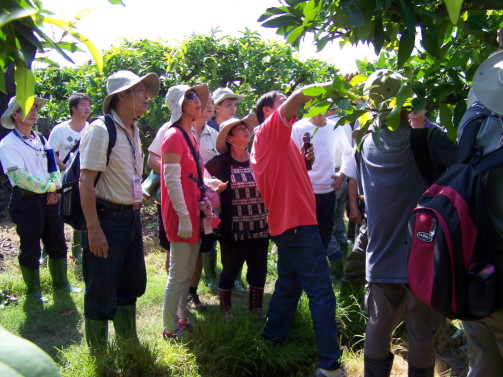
[225, 296]
[378, 368]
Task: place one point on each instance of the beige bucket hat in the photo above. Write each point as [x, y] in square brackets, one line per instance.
[123, 80]
[251, 122]
[13, 106]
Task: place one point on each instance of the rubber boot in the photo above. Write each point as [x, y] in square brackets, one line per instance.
[378, 368]
[150, 185]
[225, 296]
[421, 372]
[58, 270]
[31, 278]
[209, 268]
[255, 299]
[96, 336]
[125, 323]
[239, 286]
[77, 247]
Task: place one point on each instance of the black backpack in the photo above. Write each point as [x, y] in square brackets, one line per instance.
[70, 208]
[451, 244]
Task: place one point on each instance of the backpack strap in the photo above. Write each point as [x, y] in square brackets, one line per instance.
[112, 132]
[74, 148]
[421, 151]
[40, 137]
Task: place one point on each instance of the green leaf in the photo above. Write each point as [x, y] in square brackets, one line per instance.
[393, 118]
[343, 103]
[353, 13]
[310, 11]
[404, 93]
[454, 8]
[445, 116]
[25, 86]
[285, 20]
[459, 111]
[98, 58]
[408, 14]
[271, 12]
[294, 36]
[319, 108]
[418, 105]
[314, 91]
[115, 2]
[16, 14]
[405, 47]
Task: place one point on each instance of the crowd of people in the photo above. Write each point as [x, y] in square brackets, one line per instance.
[241, 183]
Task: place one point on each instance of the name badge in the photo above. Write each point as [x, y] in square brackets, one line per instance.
[137, 188]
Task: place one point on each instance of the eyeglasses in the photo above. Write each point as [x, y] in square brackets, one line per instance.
[191, 96]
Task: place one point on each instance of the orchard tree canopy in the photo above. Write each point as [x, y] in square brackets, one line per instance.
[437, 45]
[247, 64]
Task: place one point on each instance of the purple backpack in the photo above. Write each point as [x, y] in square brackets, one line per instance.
[451, 253]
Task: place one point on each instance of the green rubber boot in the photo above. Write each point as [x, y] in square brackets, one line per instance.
[209, 268]
[125, 323]
[58, 270]
[77, 247]
[31, 278]
[239, 286]
[150, 184]
[96, 336]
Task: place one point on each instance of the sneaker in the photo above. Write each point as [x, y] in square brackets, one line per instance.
[184, 325]
[193, 302]
[340, 372]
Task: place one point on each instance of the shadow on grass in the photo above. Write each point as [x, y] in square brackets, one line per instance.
[40, 319]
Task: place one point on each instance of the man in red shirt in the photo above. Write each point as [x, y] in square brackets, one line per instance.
[284, 185]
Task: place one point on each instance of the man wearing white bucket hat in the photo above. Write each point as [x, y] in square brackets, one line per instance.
[485, 342]
[113, 261]
[226, 102]
[31, 167]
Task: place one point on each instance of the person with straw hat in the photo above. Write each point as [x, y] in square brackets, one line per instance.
[243, 232]
[30, 164]
[113, 260]
[182, 200]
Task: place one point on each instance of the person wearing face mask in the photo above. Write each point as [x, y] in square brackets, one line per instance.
[182, 201]
[110, 193]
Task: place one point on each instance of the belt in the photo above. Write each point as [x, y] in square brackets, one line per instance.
[25, 193]
[118, 207]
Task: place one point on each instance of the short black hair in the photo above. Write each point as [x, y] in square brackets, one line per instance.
[266, 99]
[75, 98]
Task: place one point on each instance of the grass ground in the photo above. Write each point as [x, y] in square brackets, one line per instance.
[215, 348]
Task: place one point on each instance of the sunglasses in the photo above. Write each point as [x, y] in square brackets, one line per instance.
[191, 97]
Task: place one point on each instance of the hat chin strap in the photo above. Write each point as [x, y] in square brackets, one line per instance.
[134, 107]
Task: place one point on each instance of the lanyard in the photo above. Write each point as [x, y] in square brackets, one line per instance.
[133, 151]
[23, 139]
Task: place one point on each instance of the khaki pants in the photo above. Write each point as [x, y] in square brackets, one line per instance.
[385, 304]
[183, 257]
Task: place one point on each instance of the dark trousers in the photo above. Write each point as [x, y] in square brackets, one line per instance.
[121, 278]
[325, 204]
[35, 220]
[303, 266]
[234, 254]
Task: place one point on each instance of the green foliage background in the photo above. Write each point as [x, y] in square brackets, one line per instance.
[246, 64]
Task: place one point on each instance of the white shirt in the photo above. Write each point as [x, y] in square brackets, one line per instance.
[62, 139]
[327, 142]
[16, 154]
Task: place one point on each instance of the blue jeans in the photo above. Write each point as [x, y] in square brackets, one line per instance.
[121, 278]
[303, 266]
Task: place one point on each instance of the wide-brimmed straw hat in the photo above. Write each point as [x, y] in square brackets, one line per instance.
[223, 93]
[13, 106]
[176, 96]
[123, 80]
[251, 122]
[488, 83]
